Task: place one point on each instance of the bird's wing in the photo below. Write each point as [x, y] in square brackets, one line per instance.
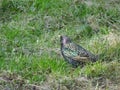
[81, 59]
[76, 52]
[75, 56]
[83, 52]
[69, 52]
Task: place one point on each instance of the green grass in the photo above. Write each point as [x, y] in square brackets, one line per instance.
[29, 38]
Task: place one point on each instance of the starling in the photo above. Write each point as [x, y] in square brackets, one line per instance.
[75, 54]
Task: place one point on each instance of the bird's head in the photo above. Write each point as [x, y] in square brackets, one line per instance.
[64, 40]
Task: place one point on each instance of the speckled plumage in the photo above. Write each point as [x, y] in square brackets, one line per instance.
[75, 54]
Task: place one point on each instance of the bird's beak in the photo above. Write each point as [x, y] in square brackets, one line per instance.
[59, 36]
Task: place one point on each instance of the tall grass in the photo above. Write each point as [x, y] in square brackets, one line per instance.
[29, 37]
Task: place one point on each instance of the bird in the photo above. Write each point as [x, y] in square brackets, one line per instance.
[75, 54]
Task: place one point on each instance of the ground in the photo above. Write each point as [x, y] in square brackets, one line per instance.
[30, 57]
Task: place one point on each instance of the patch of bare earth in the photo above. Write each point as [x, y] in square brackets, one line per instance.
[65, 83]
